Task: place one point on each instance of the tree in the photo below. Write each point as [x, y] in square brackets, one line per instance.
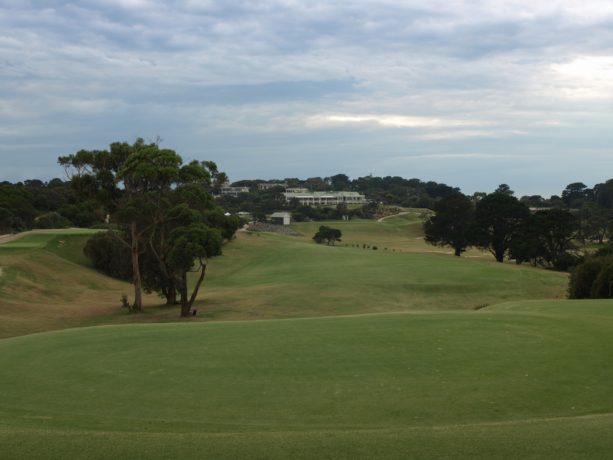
[196, 242]
[595, 222]
[151, 194]
[575, 194]
[505, 189]
[327, 234]
[340, 182]
[452, 223]
[498, 217]
[603, 194]
[545, 238]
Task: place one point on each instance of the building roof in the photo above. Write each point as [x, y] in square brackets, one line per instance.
[281, 214]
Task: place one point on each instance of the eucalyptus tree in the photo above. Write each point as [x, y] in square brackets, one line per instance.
[150, 194]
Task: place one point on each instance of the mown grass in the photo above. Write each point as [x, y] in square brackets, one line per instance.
[486, 384]
[265, 276]
[401, 233]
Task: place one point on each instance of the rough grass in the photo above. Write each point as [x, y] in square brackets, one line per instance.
[486, 384]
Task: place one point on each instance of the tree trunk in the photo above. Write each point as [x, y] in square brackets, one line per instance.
[458, 252]
[171, 295]
[184, 301]
[198, 283]
[136, 279]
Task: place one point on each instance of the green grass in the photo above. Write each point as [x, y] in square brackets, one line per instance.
[269, 276]
[486, 384]
[477, 361]
[398, 233]
[42, 238]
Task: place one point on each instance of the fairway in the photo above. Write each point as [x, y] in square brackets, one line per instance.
[503, 382]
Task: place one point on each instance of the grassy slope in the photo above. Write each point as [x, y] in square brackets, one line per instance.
[491, 384]
[46, 284]
[273, 276]
[268, 276]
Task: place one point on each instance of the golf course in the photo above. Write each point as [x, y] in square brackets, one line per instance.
[302, 350]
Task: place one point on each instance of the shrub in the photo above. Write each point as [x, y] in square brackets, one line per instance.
[109, 255]
[602, 288]
[51, 220]
[582, 283]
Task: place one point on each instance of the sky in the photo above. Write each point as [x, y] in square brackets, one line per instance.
[472, 93]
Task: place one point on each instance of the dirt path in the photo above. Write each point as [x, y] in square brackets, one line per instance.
[394, 215]
[13, 236]
[16, 236]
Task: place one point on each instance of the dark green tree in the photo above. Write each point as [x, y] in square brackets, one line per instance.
[327, 234]
[505, 189]
[545, 238]
[150, 194]
[595, 222]
[190, 249]
[452, 223]
[498, 217]
[592, 278]
[575, 194]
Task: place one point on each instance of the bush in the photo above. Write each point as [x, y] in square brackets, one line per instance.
[603, 284]
[327, 234]
[51, 220]
[109, 255]
[583, 279]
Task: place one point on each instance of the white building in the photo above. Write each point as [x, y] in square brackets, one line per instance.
[325, 198]
[281, 218]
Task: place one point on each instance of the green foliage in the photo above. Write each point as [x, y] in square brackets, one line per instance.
[327, 234]
[545, 238]
[603, 284]
[452, 223]
[197, 241]
[498, 217]
[590, 279]
[109, 253]
[151, 195]
[51, 220]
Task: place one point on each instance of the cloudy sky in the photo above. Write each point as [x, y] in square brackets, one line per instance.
[472, 93]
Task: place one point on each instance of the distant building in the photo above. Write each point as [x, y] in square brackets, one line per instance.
[325, 198]
[297, 190]
[233, 191]
[269, 185]
[281, 218]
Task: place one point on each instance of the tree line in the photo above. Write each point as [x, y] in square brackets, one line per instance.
[548, 237]
[504, 226]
